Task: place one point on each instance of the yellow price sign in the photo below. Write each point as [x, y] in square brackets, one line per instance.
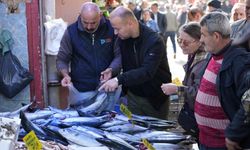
[32, 142]
[125, 111]
[147, 144]
[177, 81]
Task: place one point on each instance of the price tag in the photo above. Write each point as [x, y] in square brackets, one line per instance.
[125, 111]
[147, 144]
[32, 142]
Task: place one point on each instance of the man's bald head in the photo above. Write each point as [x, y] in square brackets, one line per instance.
[124, 23]
[123, 13]
[90, 16]
[90, 7]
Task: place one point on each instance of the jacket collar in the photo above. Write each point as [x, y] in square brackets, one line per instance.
[229, 55]
[223, 50]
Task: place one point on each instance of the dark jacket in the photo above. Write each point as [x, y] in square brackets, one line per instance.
[194, 70]
[145, 66]
[231, 83]
[88, 53]
[161, 21]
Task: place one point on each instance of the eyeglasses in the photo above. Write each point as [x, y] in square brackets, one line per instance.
[184, 42]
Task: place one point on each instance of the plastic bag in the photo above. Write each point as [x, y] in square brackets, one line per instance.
[78, 99]
[13, 77]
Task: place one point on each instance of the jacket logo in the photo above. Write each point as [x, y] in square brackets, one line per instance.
[103, 41]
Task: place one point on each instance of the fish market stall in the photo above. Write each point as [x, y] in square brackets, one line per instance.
[93, 127]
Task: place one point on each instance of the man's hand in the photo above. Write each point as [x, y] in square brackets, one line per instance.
[106, 75]
[109, 86]
[66, 81]
[231, 145]
[169, 88]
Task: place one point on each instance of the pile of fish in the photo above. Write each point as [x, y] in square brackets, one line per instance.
[93, 126]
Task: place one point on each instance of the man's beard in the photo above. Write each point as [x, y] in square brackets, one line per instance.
[90, 30]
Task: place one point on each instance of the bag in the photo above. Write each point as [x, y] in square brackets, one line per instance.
[13, 77]
[187, 121]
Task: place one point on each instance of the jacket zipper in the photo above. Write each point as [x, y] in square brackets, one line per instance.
[135, 52]
[93, 43]
[93, 39]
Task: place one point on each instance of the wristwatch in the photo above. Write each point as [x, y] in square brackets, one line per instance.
[116, 79]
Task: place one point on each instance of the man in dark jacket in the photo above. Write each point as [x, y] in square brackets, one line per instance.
[144, 63]
[238, 133]
[160, 19]
[88, 45]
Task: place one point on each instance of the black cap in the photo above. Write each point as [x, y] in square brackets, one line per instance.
[214, 3]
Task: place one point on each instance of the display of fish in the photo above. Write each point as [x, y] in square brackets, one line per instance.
[28, 126]
[94, 126]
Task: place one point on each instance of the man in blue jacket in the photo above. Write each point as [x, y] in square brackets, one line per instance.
[88, 50]
[144, 63]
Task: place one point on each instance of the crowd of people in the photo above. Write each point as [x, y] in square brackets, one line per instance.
[128, 49]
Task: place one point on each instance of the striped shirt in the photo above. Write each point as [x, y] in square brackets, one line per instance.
[209, 114]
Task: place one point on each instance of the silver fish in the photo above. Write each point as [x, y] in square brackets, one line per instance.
[167, 146]
[39, 114]
[119, 141]
[78, 137]
[113, 122]
[66, 112]
[174, 139]
[15, 113]
[128, 137]
[89, 130]
[126, 128]
[28, 125]
[87, 121]
[153, 133]
[97, 107]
